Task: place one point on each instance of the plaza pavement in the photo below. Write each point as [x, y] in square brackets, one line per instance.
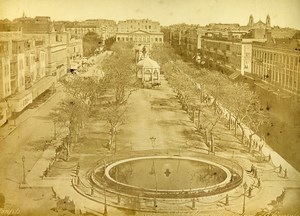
[157, 113]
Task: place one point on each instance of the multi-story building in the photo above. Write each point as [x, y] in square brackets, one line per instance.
[32, 62]
[167, 34]
[105, 29]
[5, 82]
[186, 39]
[276, 65]
[231, 51]
[144, 31]
[142, 24]
[5, 85]
[188, 43]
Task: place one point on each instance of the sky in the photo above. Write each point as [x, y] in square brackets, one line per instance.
[284, 13]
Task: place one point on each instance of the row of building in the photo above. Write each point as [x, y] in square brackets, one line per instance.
[36, 52]
[251, 51]
[32, 59]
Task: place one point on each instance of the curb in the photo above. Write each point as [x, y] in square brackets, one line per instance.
[34, 111]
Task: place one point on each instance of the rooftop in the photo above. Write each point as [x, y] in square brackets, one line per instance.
[148, 63]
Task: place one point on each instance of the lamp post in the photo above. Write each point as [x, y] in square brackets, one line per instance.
[245, 186]
[105, 205]
[24, 177]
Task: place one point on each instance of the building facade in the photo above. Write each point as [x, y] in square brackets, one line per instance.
[32, 62]
[144, 32]
[277, 66]
[105, 29]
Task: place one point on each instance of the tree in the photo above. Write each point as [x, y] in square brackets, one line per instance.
[114, 115]
[70, 114]
[120, 71]
[120, 79]
[88, 90]
[90, 43]
[256, 120]
[163, 53]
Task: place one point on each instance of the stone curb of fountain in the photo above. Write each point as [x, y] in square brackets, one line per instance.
[159, 210]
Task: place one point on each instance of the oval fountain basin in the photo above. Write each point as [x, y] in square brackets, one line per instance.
[168, 173]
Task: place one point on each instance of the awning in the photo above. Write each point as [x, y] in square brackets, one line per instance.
[19, 101]
[42, 85]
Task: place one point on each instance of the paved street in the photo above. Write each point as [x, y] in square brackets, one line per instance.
[29, 139]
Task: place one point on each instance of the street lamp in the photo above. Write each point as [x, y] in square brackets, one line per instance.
[245, 186]
[24, 177]
[105, 206]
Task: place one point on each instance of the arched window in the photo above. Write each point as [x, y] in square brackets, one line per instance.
[155, 74]
[147, 75]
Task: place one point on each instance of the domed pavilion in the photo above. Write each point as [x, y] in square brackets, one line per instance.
[148, 71]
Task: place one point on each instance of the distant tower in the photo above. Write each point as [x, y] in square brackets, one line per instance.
[250, 24]
[268, 22]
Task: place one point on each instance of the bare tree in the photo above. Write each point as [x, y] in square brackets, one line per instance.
[163, 53]
[88, 90]
[120, 79]
[70, 114]
[114, 115]
[120, 71]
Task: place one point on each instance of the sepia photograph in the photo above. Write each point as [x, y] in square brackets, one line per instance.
[149, 107]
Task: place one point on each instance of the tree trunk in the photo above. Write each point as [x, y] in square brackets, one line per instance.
[235, 126]
[243, 133]
[250, 142]
[55, 132]
[193, 115]
[199, 119]
[201, 96]
[115, 141]
[212, 144]
[215, 106]
[229, 121]
[206, 137]
[250, 145]
[68, 153]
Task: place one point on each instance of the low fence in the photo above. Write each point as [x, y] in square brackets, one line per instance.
[97, 188]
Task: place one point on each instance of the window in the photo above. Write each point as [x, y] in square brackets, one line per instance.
[42, 56]
[6, 70]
